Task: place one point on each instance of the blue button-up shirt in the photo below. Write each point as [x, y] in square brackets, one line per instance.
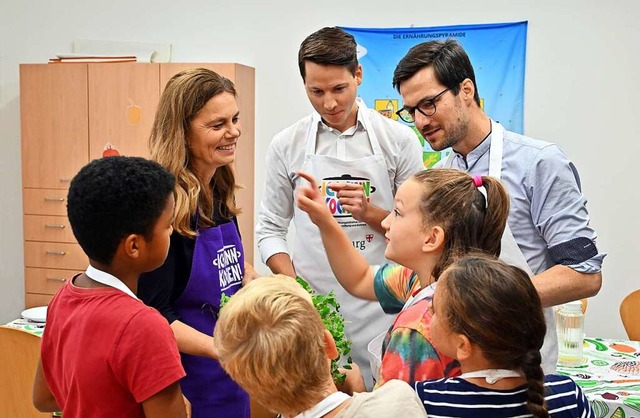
[548, 209]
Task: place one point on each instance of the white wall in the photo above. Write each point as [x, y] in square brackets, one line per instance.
[580, 90]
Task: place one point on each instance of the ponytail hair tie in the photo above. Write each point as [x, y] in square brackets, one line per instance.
[477, 181]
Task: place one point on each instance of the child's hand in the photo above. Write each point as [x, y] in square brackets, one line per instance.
[310, 200]
[354, 381]
[187, 406]
[249, 274]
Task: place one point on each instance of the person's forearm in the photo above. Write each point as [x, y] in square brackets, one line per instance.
[561, 284]
[42, 397]
[280, 263]
[374, 217]
[192, 341]
[350, 268]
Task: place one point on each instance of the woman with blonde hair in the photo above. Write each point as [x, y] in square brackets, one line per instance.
[194, 136]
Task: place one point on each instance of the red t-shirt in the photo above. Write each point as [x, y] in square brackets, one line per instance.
[104, 352]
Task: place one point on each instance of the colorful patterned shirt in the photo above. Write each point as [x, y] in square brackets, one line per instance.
[407, 352]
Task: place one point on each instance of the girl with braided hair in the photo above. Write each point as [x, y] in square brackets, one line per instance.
[488, 316]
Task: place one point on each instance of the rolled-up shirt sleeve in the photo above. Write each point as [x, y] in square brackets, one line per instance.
[559, 212]
[276, 208]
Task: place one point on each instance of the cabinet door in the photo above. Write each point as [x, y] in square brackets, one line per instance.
[243, 78]
[54, 123]
[123, 99]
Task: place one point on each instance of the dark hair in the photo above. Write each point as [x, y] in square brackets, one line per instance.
[329, 46]
[450, 63]
[497, 307]
[113, 197]
[451, 200]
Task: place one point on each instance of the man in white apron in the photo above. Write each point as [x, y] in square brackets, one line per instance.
[548, 233]
[363, 154]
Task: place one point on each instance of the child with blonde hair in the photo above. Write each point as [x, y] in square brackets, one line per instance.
[271, 340]
[488, 315]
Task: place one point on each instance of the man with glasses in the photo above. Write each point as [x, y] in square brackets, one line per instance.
[548, 232]
[359, 158]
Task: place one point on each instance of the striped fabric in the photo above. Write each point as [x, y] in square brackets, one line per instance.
[455, 397]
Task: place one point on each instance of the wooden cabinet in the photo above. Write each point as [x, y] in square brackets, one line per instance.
[69, 112]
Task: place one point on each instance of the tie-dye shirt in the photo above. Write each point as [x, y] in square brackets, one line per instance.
[407, 352]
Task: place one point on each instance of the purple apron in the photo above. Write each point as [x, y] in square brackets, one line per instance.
[218, 267]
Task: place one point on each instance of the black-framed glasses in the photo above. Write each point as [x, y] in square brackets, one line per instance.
[426, 106]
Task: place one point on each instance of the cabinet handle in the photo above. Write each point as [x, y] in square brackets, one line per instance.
[57, 279]
[54, 199]
[54, 226]
[56, 252]
[65, 180]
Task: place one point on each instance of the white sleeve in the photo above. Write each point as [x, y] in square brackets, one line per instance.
[276, 208]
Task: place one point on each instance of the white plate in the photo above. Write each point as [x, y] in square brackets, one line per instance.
[37, 314]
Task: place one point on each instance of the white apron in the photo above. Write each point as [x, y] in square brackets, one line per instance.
[510, 252]
[364, 319]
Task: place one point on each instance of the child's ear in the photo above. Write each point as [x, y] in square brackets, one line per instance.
[131, 245]
[330, 345]
[464, 347]
[433, 239]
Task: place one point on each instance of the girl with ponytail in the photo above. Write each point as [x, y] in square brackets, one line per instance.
[438, 215]
[488, 315]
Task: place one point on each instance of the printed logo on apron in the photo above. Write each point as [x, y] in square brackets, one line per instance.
[227, 263]
[343, 216]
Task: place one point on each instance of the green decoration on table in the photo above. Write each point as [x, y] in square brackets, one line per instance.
[600, 408]
[633, 402]
[598, 344]
[619, 413]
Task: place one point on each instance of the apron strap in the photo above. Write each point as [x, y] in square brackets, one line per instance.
[496, 150]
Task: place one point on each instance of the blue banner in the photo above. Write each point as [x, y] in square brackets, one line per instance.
[497, 53]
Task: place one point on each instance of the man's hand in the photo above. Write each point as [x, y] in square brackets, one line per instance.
[352, 198]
